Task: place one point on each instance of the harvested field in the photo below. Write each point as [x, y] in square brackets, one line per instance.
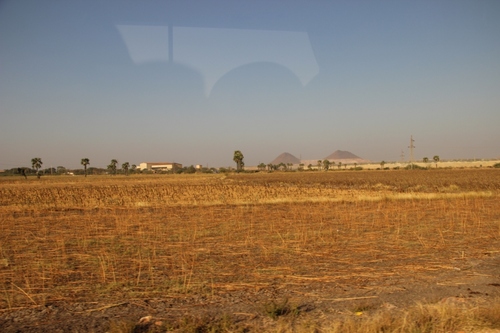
[302, 252]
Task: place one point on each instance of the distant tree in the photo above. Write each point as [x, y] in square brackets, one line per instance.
[22, 171]
[190, 169]
[382, 165]
[270, 167]
[85, 162]
[112, 166]
[319, 165]
[326, 165]
[61, 170]
[339, 165]
[262, 166]
[282, 166]
[436, 160]
[289, 166]
[36, 163]
[301, 166]
[310, 166]
[94, 171]
[355, 165]
[238, 159]
[125, 167]
[426, 159]
[50, 171]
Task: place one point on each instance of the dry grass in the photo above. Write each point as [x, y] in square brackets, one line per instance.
[74, 255]
[202, 190]
[112, 238]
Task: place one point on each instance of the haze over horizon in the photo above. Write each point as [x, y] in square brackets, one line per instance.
[193, 81]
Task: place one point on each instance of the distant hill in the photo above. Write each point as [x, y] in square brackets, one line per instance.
[286, 158]
[338, 156]
[345, 157]
[342, 155]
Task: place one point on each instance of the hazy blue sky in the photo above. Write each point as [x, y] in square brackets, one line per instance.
[192, 81]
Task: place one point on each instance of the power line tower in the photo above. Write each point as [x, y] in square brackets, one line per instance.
[411, 146]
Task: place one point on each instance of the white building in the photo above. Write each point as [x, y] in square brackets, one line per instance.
[159, 166]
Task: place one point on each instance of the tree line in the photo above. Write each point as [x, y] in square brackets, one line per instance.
[36, 169]
[111, 169]
[127, 168]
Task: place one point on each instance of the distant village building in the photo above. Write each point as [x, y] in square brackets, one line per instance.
[159, 166]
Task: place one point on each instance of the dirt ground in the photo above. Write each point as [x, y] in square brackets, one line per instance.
[474, 281]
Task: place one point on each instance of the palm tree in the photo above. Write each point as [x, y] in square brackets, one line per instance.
[310, 166]
[436, 159]
[301, 166]
[85, 162]
[339, 165]
[382, 165]
[112, 166]
[125, 167]
[36, 163]
[238, 159]
[319, 165]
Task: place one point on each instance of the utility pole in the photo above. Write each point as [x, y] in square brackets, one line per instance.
[411, 146]
[402, 156]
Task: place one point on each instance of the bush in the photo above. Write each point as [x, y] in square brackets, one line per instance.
[496, 165]
[414, 167]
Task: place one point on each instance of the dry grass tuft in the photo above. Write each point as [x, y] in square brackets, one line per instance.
[424, 318]
[490, 314]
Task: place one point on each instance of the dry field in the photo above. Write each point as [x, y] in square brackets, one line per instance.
[369, 251]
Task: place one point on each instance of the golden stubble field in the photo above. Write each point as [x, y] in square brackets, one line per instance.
[310, 251]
